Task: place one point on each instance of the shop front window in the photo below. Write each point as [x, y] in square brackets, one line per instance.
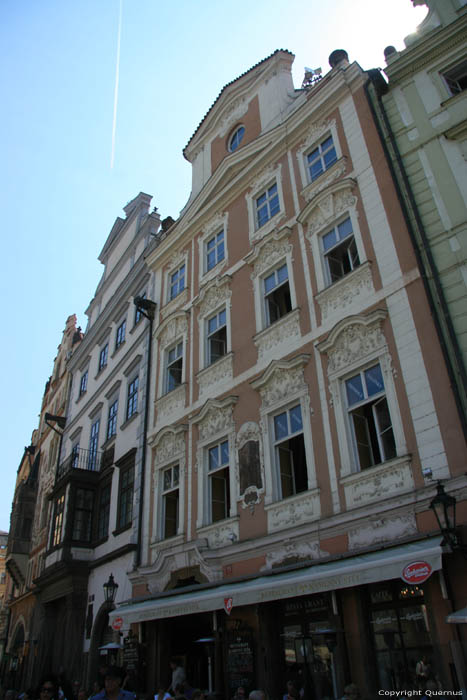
[401, 632]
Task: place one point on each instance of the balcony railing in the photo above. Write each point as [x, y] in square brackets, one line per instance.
[89, 460]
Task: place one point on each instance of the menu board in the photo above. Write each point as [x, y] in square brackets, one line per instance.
[240, 660]
[130, 653]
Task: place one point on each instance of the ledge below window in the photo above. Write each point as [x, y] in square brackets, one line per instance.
[347, 293]
[171, 404]
[379, 482]
[284, 332]
[295, 510]
[221, 534]
[213, 375]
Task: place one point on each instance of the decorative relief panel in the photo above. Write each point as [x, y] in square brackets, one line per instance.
[293, 511]
[327, 207]
[233, 113]
[216, 417]
[169, 445]
[354, 339]
[380, 530]
[170, 404]
[315, 131]
[268, 253]
[211, 297]
[172, 329]
[216, 224]
[294, 550]
[174, 304]
[284, 332]
[220, 371]
[220, 534]
[264, 178]
[282, 383]
[378, 483]
[351, 291]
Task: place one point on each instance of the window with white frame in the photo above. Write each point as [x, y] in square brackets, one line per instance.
[170, 501]
[93, 444]
[132, 398]
[276, 293]
[83, 384]
[214, 249]
[174, 367]
[103, 357]
[120, 335]
[321, 158]
[112, 419]
[177, 282]
[216, 337]
[369, 417]
[340, 252]
[289, 452]
[267, 205]
[218, 481]
[456, 78]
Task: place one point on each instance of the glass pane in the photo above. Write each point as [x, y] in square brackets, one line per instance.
[175, 475]
[282, 274]
[327, 143]
[167, 479]
[211, 244]
[220, 251]
[222, 318]
[272, 190]
[313, 155]
[362, 438]
[345, 228]
[270, 282]
[316, 169]
[213, 457]
[354, 389]
[280, 426]
[212, 324]
[260, 200]
[274, 205]
[211, 259]
[225, 452]
[330, 157]
[286, 471]
[296, 419]
[374, 380]
[329, 239]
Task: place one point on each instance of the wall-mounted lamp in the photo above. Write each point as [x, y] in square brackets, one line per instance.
[110, 590]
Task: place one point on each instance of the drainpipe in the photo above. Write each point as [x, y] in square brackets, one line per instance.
[148, 309]
[379, 85]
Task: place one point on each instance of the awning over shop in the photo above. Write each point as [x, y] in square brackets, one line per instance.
[345, 573]
[458, 616]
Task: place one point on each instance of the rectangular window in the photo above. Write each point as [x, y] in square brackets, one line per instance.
[93, 444]
[170, 501]
[456, 78]
[289, 447]
[112, 419]
[216, 341]
[369, 417]
[83, 385]
[219, 484]
[321, 158]
[82, 516]
[125, 501]
[103, 512]
[177, 282]
[174, 368]
[103, 357]
[120, 336]
[138, 312]
[58, 520]
[276, 290]
[340, 251]
[75, 456]
[214, 250]
[132, 403]
[267, 205]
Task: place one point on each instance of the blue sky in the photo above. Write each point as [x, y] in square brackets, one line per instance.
[59, 194]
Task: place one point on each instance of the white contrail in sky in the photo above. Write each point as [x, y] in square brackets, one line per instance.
[117, 71]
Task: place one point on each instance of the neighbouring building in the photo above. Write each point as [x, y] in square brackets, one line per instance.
[422, 114]
[3, 601]
[95, 495]
[301, 411]
[29, 521]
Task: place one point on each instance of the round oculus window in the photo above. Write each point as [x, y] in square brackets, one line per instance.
[236, 138]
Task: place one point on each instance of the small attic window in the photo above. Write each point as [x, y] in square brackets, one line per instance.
[235, 139]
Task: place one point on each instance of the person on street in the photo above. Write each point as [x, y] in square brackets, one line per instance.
[113, 686]
[178, 676]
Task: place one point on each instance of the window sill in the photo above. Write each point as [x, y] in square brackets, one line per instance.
[109, 442]
[129, 420]
[167, 543]
[103, 540]
[208, 275]
[285, 331]
[170, 403]
[267, 227]
[81, 396]
[99, 372]
[294, 510]
[118, 348]
[124, 528]
[172, 304]
[349, 291]
[222, 533]
[215, 373]
[378, 483]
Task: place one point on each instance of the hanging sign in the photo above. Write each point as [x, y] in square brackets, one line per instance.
[228, 605]
[417, 572]
[117, 624]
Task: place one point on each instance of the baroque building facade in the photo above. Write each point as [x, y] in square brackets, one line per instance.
[301, 410]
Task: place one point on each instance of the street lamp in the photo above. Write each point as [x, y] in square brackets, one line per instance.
[110, 590]
[444, 507]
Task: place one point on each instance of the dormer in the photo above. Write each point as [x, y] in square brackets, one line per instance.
[245, 108]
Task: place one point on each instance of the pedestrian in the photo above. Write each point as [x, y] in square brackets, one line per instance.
[162, 694]
[48, 689]
[292, 692]
[257, 695]
[113, 686]
[422, 672]
[178, 675]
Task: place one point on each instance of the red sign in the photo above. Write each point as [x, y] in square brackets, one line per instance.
[117, 624]
[228, 604]
[417, 572]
